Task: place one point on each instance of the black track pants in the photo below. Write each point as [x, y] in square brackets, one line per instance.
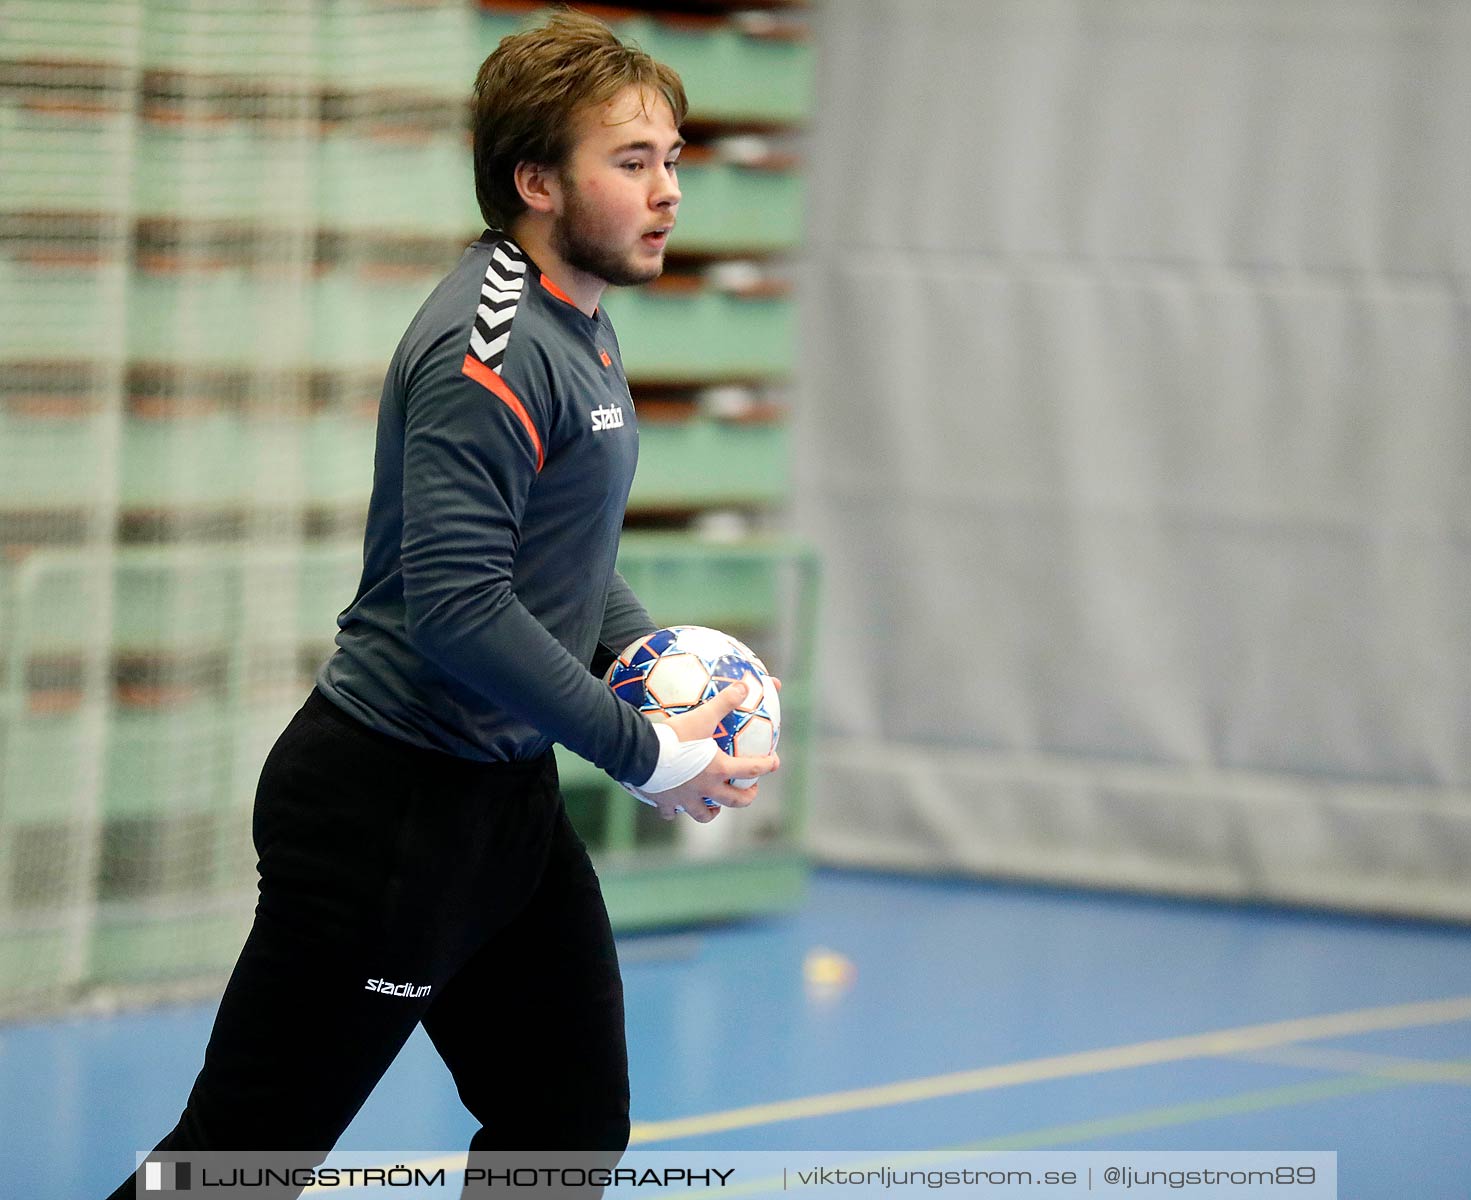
[400, 885]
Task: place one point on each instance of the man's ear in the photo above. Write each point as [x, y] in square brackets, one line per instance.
[539, 186]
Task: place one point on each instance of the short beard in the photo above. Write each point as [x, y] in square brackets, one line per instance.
[579, 250]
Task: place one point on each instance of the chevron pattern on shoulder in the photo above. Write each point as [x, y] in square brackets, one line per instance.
[500, 293]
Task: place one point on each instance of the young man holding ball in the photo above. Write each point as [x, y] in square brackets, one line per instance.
[416, 860]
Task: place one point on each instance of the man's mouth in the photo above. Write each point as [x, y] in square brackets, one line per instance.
[657, 237]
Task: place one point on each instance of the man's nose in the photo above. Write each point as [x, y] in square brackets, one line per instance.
[666, 193]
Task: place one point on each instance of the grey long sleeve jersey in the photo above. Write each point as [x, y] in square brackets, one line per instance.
[506, 448]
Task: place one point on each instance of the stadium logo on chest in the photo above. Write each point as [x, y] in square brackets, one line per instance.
[607, 416]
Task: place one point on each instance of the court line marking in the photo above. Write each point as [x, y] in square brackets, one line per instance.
[1052, 1137]
[1149, 1119]
[1141, 1121]
[1242, 1039]
[1353, 1062]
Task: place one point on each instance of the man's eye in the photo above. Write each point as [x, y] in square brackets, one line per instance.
[671, 166]
[633, 166]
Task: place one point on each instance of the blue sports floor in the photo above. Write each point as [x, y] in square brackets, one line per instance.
[1015, 1018]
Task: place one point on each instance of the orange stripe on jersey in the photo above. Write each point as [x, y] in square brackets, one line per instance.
[558, 292]
[487, 378]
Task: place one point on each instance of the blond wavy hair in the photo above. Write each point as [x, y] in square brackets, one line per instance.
[531, 86]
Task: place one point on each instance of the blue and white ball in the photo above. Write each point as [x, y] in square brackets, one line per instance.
[672, 670]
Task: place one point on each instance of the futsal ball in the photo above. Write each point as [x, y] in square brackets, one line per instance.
[673, 670]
